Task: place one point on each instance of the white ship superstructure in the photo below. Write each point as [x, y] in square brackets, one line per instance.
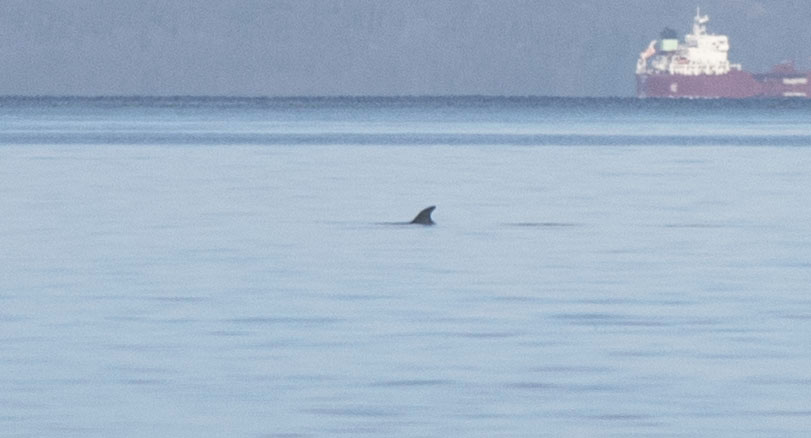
[701, 53]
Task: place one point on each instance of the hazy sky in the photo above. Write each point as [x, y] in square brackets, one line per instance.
[371, 47]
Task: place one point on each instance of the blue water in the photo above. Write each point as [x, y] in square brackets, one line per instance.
[224, 267]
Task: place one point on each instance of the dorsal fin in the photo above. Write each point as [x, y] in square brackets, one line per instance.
[424, 217]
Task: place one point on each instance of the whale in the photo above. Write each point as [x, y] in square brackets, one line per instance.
[424, 217]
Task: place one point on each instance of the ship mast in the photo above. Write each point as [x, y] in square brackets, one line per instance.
[699, 23]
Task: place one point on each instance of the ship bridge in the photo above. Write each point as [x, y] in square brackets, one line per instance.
[701, 53]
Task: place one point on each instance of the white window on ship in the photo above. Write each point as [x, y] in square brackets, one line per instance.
[795, 81]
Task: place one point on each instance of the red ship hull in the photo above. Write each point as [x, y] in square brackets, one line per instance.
[733, 85]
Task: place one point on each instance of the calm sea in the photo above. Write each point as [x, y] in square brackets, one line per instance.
[192, 267]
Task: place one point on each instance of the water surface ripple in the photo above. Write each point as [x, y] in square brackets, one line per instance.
[224, 267]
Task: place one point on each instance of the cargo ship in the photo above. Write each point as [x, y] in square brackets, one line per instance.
[699, 67]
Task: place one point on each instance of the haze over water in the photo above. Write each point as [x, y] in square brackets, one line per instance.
[227, 267]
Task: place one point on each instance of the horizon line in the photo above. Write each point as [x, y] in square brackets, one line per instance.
[306, 96]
